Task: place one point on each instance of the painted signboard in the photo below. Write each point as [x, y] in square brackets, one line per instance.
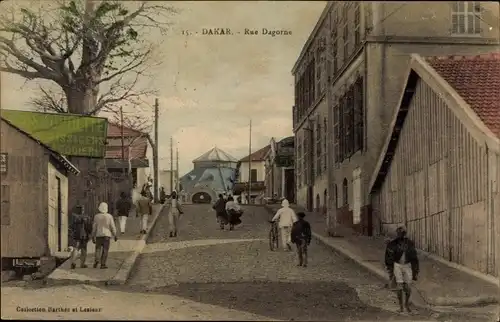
[68, 134]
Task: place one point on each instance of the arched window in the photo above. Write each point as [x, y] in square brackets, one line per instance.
[345, 192]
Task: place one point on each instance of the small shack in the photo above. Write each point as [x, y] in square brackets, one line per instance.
[83, 140]
[34, 198]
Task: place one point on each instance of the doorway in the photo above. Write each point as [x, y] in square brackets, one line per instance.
[310, 198]
[290, 185]
[59, 215]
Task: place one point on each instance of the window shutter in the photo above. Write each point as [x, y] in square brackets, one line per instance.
[336, 133]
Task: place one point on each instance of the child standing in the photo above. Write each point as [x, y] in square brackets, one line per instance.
[301, 237]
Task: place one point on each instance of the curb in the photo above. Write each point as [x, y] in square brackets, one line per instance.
[123, 273]
[417, 298]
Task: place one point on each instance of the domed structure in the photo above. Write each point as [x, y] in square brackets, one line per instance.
[215, 157]
[214, 173]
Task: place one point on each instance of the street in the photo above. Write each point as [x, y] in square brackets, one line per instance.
[236, 270]
[208, 274]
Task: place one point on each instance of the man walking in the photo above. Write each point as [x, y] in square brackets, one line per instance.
[402, 264]
[286, 217]
[81, 231]
[174, 214]
[301, 237]
[123, 207]
[144, 209]
[103, 229]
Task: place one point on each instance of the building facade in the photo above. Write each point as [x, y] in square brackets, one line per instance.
[280, 172]
[168, 179]
[348, 79]
[440, 175]
[213, 173]
[252, 168]
[129, 155]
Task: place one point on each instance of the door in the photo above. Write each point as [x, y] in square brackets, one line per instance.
[59, 215]
[310, 201]
[290, 185]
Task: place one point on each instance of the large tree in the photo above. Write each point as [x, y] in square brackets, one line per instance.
[84, 47]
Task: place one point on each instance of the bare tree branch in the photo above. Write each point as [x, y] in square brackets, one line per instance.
[83, 45]
[50, 101]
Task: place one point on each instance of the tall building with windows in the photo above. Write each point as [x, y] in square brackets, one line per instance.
[349, 78]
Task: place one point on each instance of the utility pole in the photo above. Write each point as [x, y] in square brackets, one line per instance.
[155, 153]
[250, 163]
[123, 139]
[171, 165]
[177, 169]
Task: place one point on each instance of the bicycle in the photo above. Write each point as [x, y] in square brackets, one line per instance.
[273, 236]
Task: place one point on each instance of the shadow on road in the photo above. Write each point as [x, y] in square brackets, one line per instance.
[281, 300]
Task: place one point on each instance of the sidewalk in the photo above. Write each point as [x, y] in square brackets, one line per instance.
[439, 284]
[121, 258]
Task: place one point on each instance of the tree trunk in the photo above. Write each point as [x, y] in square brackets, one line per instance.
[81, 101]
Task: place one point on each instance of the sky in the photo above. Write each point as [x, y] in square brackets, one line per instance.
[210, 86]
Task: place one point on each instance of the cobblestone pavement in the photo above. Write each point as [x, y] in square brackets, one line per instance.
[236, 270]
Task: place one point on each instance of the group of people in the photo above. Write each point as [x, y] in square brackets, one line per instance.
[101, 228]
[227, 212]
[401, 258]
[294, 229]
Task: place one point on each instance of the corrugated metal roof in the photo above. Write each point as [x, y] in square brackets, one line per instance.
[215, 154]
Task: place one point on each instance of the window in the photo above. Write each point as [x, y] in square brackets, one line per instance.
[253, 175]
[325, 142]
[466, 18]
[304, 173]
[334, 39]
[357, 24]
[345, 31]
[5, 207]
[358, 115]
[299, 162]
[345, 192]
[320, 66]
[336, 133]
[349, 122]
[319, 138]
[3, 162]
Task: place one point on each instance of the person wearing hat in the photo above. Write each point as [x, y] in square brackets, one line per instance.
[301, 237]
[402, 264]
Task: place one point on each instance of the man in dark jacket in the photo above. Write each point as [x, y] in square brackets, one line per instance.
[81, 231]
[301, 236]
[220, 211]
[402, 264]
[123, 207]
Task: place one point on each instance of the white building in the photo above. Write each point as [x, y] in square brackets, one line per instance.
[252, 168]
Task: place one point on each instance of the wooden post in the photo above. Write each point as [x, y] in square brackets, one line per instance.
[250, 164]
[155, 153]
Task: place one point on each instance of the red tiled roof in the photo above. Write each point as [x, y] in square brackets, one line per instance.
[257, 155]
[137, 151]
[477, 80]
[114, 130]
